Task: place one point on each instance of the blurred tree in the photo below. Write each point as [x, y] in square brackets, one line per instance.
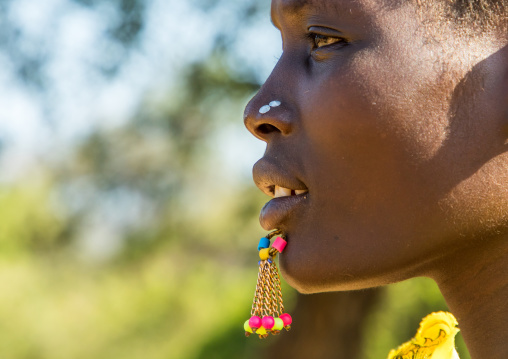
[327, 325]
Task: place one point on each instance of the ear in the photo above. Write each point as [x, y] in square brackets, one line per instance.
[494, 71]
[503, 56]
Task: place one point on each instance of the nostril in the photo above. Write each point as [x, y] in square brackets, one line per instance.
[266, 128]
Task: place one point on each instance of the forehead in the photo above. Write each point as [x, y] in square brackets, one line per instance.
[295, 6]
[288, 8]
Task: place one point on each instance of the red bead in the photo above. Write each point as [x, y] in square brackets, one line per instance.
[268, 322]
[286, 318]
[279, 244]
[255, 322]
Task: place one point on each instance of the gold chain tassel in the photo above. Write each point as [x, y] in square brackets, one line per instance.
[267, 313]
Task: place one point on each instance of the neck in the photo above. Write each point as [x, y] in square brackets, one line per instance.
[475, 286]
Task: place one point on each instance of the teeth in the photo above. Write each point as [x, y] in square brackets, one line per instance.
[281, 192]
[286, 192]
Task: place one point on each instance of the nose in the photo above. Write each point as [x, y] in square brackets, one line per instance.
[269, 113]
[267, 116]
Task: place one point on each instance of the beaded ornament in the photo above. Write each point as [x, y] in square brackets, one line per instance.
[267, 314]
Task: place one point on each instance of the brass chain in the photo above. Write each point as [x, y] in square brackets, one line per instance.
[274, 300]
[279, 289]
[257, 294]
[262, 285]
[260, 290]
[268, 288]
[268, 296]
[268, 293]
[271, 294]
[277, 232]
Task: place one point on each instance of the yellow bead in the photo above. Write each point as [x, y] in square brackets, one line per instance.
[264, 254]
[261, 331]
[246, 327]
[279, 324]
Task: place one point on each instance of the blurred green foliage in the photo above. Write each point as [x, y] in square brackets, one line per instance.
[179, 282]
[30, 221]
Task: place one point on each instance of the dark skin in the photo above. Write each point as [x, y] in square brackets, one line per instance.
[396, 123]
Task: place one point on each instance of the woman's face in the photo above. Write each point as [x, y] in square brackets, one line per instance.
[389, 127]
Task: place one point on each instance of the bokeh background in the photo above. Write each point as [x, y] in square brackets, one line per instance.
[128, 215]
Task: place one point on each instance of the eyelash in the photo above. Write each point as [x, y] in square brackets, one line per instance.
[313, 38]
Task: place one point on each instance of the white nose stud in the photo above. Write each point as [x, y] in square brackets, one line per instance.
[264, 109]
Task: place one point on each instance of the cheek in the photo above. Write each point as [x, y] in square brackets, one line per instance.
[353, 146]
[368, 133]
[339, 113]
[376, 105]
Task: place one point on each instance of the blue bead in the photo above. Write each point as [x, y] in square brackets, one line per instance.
[269, 261]
[263, 243]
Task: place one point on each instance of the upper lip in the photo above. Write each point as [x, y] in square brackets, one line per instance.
[267, 175]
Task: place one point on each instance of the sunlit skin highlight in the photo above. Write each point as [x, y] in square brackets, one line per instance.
[396, 123]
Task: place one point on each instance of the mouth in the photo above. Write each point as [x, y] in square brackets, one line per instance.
[278, 210]
[288, 194]
[278, 191]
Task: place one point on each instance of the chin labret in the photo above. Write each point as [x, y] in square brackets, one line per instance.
[267, 313]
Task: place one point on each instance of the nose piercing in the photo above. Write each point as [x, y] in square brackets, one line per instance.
[264, 109]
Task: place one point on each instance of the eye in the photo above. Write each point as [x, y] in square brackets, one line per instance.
[320, 40]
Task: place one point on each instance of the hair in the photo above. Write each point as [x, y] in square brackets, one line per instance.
[468, 18]
[485, 14]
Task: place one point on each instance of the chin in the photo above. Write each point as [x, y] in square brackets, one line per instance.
[310, 272]
[308, 276]
[307, 282]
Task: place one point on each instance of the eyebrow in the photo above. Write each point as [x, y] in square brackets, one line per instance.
[295, 5]
[291, 7]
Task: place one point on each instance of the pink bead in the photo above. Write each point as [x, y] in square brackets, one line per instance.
[268, 322]
[286, 318]
[279, 244]
[255, 322]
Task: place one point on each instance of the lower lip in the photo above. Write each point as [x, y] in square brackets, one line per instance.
[279, 209]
